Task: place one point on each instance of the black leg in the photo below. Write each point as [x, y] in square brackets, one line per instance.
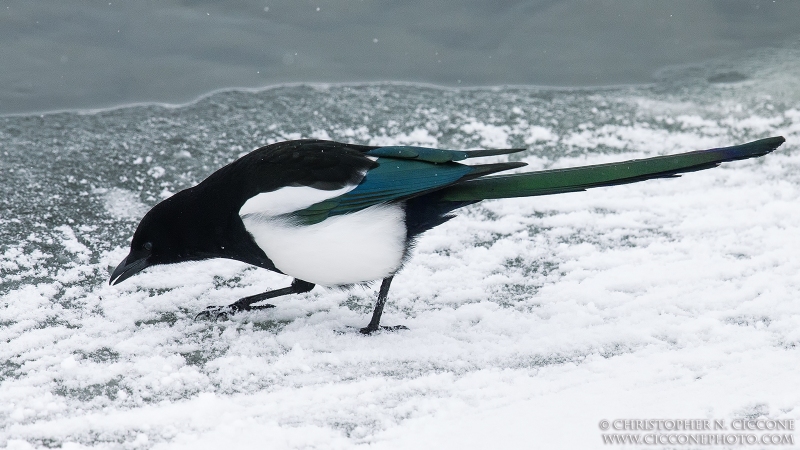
[245, 304]
[374, 324]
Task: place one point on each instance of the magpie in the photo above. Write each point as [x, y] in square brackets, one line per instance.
[338, 214]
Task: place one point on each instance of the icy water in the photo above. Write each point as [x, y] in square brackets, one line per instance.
[530, 319]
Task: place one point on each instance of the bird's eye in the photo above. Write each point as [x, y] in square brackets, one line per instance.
[148, 246]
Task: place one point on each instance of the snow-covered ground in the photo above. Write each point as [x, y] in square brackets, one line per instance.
[530, 320]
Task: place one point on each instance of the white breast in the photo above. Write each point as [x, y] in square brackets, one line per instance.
[352, 248]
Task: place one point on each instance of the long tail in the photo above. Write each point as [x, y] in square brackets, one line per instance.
[581, 178]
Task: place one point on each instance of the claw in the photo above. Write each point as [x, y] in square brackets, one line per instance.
[204, 315]
[224, 312]
[215, 313]
[368, 330]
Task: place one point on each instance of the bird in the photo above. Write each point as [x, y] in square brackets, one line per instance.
[339, 215]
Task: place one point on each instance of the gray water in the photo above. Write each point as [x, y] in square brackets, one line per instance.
[71, 54]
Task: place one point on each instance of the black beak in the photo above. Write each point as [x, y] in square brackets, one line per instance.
[128, 268]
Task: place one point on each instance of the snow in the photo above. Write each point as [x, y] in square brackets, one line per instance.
[492, 136]
[530, 320]
[122, 203]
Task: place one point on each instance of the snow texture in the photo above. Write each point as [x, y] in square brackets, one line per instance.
[530, 320]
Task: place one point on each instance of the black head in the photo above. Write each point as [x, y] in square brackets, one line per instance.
[166, 235]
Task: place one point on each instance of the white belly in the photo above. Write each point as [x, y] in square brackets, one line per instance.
[352, 248]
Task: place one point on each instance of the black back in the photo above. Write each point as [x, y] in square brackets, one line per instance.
[203, 221]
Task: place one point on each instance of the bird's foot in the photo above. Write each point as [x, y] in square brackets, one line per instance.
[369, 330]
[223, 312]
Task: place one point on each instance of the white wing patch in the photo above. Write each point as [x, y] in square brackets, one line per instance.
[352, 248]
[288, 199]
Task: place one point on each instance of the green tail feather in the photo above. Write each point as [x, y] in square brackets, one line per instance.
[582, 178]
